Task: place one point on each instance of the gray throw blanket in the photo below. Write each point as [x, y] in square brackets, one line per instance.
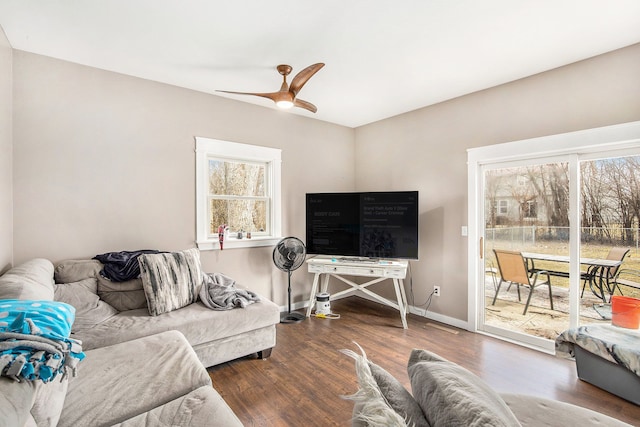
[219, 292]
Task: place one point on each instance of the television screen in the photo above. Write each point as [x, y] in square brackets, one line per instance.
[364, 225]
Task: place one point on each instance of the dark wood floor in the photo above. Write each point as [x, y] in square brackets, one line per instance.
[301, 383]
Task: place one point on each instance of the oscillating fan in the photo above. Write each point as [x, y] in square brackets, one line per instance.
[288, 255]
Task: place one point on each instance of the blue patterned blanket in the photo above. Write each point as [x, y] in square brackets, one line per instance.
[612, 343]
[34, 340]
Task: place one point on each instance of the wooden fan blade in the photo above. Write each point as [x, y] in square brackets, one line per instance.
[302, 77]
[304, 104]
[274, 96]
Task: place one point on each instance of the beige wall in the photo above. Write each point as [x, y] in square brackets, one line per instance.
[6, 155]
[425, 150]
[105, 162]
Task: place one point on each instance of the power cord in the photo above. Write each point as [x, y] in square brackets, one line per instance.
[326, 316]
[427, 303]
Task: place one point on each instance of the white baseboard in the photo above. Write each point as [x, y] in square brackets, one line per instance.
[304, 304]
[295, 306]
[451, 321]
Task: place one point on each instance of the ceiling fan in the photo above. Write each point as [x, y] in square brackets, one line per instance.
[287, 96]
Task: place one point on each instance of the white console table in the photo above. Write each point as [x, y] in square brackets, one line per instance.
[380, 270]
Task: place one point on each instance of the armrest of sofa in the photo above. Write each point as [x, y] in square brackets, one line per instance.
[537, 411]
[201, 407]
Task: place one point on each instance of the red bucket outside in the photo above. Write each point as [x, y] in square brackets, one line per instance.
[625, 312]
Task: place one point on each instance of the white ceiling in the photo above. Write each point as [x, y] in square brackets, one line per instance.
[383, 57]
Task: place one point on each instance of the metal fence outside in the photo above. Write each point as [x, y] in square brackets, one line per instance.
[530, 235]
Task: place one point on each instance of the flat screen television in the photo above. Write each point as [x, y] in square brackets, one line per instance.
[363, 224]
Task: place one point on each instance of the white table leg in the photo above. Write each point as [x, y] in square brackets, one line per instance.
[325, 283]
[314, 287]
[401, 303]
[404, 294]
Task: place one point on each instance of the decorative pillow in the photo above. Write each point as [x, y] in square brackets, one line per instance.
[398, 397]
[371, 406]
[82, 295]
[170, 280]
[449, 395]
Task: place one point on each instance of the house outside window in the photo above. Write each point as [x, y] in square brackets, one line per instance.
[238, 186]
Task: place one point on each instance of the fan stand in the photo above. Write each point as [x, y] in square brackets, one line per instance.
[290, 317]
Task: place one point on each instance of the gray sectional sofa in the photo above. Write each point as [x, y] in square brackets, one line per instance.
[139, 370]
[216, 336]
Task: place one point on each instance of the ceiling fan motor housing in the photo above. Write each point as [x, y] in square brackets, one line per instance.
[284, 69]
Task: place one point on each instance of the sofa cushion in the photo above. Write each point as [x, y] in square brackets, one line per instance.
[449, 395]
[122, 296]
[32, 280]
[83, 296]
[170, 280]
[201, 407]
[16, 400]
[198, 323]
[74, 270]
[146, 373]
[48, 402]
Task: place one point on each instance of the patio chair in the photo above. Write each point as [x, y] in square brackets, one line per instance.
[513, 269]
[626, 277]
[615, 254]
[493, 272]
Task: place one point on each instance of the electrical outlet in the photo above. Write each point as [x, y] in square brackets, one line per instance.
[436, 291]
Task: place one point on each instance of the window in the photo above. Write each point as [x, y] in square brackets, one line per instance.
[530, 209]
[502, 208]
[237, 185]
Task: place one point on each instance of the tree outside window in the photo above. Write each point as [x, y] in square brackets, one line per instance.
[237, 196]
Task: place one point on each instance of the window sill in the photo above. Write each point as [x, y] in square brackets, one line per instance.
[213, 245]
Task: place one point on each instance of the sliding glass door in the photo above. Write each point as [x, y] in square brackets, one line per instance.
[609, 229]
[525, 287]
[526, 226]
[551, 224]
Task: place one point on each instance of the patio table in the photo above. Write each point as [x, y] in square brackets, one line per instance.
[597, 273]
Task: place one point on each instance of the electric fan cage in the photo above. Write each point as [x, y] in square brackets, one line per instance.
[279, 257]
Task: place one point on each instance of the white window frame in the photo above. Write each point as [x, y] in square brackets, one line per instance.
[207, 148]
[502, 207]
